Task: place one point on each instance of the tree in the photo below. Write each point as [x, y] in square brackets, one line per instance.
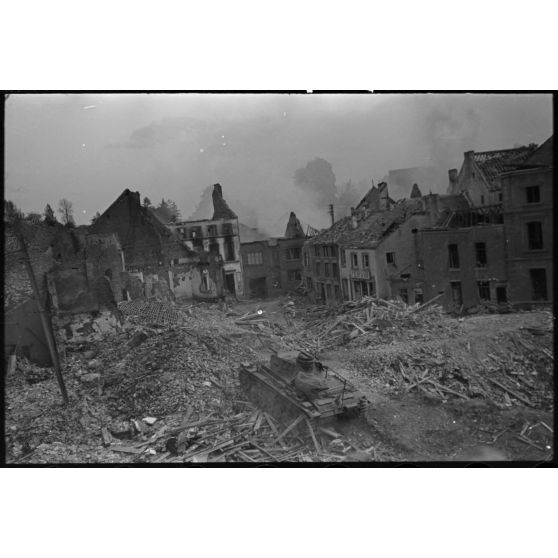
[66, 210]
[146, 202]
[95, 218]
[12, 213]
[50, 218]
[167, 211]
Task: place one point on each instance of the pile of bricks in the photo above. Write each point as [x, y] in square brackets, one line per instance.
[154, 312]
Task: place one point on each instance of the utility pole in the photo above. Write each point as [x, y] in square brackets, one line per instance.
[332, 214]
[47, 326]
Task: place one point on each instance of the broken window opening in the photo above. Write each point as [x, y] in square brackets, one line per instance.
[404, 294]
[453, 256]
[480, 251]
[354, 259]
[365, 261]
[390, 258]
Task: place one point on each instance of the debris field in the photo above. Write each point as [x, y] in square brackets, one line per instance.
[164, 387]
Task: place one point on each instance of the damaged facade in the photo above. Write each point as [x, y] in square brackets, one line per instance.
[479, 176]
[528, 227]
[488, 240]
[159, 264]
[218, 237]
[274, 266]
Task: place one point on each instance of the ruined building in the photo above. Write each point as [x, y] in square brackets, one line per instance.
[274, 266]
[528, 226]
[159, 264]
[218, 237]
[324, 254]
[479, 176]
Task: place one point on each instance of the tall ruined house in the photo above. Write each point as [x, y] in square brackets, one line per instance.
[144, 239]
[479, 176]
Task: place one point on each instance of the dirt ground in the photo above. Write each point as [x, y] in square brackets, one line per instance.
[194, 364]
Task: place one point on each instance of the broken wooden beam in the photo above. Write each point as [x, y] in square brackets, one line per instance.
[289, 428]
[511, 392]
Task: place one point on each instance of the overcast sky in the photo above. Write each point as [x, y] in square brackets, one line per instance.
[89, 148]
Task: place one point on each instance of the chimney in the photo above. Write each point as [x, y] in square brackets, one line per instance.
[221, 209]
[415, 192]
[452, 187]
[354, 220]
[384, 195]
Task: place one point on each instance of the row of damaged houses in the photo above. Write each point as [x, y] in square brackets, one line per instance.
[488, 239]
[129, 254]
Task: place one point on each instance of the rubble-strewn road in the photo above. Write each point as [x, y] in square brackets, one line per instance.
[439, 387]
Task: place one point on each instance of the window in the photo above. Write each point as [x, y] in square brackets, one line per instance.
[533, 194]
[328, 290]
[212, 230]
[365, 261]
[294, 275]
[326, 269]
[372, 288]
[293, 254]
[227, 229]
[354, 259]
[275, 256]
[343, 258]
[534, 235]
[419, 296]
[318, 268]
[326, 251]
[317, 250]
[345, 285]
[482, 200]
[480, 251]
[334, 270]
[500, 198]
[306, 258]
[453, 256]
[255, 258]
[484, 290]
[390, 258]
[309, 283]
[403, 293]
[229, 249]
[336, 292]
[538, 284]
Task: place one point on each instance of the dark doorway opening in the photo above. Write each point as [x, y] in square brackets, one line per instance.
[456, 294]
[538, 284]
[501, 295]
[229, 282]
[258, 287]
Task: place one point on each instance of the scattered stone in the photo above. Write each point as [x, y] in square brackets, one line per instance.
[90, 378]
[94, 364]
[149, 420]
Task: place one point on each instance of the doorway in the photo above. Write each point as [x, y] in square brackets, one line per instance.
[229, 282]
[501, 295]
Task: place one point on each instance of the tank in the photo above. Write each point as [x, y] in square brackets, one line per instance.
[274, 389]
